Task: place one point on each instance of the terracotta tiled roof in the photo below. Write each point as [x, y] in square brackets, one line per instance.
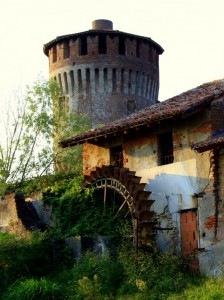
[180, 106]
[216, 141]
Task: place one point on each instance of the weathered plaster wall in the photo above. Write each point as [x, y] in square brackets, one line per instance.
[192, 183]
[94, 156]
[174, 186]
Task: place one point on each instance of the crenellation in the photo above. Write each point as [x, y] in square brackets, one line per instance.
[109, 63]
[92, 44]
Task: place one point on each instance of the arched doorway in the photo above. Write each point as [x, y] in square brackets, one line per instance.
[134, 198]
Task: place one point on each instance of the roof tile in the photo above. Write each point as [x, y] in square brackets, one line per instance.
[179, 106]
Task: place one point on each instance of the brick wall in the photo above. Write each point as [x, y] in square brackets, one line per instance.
[220, 203]
[113, 84]
[189, 238]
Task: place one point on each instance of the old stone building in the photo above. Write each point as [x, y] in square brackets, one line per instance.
[105, 73]
[167, 162]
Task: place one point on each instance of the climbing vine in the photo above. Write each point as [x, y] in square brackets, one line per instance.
[78, 211]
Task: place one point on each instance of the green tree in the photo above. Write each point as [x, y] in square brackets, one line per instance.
[31, 130]
[67, 123]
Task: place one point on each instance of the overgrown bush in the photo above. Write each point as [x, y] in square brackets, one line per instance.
[31, 256]
[35, 289]
[78, 211]
[39, 266]
[125, 276]
[103, 273]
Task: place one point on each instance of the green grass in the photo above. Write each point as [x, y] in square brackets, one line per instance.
[205, 289]
[30, 270]
[34, 289]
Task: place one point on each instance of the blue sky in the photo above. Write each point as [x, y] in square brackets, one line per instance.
[190, 31]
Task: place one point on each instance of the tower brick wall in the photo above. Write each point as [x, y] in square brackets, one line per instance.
[105, 73]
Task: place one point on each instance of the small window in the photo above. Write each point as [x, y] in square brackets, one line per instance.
[87, 80]
[79, 75]
[66, 50]
[165, 148]
[122, 46]
[105, 78]
[116, 156]
[66, 82]
[72, 80]
[102, 46]
[131, 106]
[83, 45]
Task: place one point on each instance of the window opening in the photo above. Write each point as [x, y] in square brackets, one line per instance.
[102, 46]
[87, 79]
[72, 80]
[79, 80]
[131, 105]
[105, 78]
[121, 45]
[114, 80]
[165, 148]
[66, 82]
[83, 45]
[66, 52]
[116, 156]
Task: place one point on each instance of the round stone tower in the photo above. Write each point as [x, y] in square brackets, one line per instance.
[106, 73]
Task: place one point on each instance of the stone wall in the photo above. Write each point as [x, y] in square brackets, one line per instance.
[9, 221]
[18, 215]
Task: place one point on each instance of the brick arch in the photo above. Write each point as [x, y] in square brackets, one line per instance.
[128, 185]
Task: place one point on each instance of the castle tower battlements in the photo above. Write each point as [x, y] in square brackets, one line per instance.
[106, 73]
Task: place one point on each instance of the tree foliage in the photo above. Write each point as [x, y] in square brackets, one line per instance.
[27, 149]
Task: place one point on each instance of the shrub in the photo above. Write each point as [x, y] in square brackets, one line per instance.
[34, 289]
[153, 274]
[82, 212]
[102, 273]
[35, 255]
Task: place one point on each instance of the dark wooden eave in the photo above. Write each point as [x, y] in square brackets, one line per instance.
[215, 142]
